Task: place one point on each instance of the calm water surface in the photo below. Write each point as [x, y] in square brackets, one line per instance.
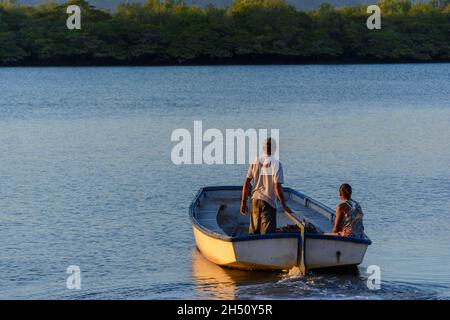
[86, 177]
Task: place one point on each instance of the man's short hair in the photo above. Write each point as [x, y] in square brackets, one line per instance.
[269, 146]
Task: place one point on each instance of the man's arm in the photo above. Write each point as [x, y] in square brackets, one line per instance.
[280, 195]
[245, 189]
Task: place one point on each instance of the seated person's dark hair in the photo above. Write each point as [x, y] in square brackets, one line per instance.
[346, 190]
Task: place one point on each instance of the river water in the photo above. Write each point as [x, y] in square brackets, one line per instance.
[86, 176]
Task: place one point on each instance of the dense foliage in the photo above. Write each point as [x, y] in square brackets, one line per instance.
[249, 31]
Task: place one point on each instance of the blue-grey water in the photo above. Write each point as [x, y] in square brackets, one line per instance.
[86, 176]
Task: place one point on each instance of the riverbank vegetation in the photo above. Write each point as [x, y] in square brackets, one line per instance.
[249, 31]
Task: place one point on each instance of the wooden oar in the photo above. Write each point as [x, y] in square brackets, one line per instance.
[301, 256]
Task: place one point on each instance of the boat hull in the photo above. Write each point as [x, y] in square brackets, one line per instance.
[278, 252]
[251, 254]
[325, 253]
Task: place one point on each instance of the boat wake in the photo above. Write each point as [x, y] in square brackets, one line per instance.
[332, 286]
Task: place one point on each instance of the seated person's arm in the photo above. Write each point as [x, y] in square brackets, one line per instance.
[339, 217]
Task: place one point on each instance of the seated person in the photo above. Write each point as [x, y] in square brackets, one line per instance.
[349, 215]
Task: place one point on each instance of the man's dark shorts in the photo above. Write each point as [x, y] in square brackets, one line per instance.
[263, 219]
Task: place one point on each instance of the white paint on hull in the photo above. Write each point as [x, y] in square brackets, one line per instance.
[322, 253]
[263, 254]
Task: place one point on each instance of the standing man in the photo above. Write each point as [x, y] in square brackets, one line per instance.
[266, 173]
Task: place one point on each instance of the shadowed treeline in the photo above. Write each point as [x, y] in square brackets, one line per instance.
[250, 31]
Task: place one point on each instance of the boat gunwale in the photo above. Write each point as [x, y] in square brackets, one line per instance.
[228, 238]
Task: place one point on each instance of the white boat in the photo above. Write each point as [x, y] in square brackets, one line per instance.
[302, 239]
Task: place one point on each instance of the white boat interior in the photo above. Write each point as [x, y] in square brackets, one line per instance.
[218, 211]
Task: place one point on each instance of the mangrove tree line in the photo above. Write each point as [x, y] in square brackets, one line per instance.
[249, 31]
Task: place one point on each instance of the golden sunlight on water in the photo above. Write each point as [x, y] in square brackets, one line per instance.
[210, 279]
[215, 282]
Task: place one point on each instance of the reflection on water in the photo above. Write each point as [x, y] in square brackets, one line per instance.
[214, 282]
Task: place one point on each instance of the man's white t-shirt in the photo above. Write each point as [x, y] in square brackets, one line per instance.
[265, 171]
